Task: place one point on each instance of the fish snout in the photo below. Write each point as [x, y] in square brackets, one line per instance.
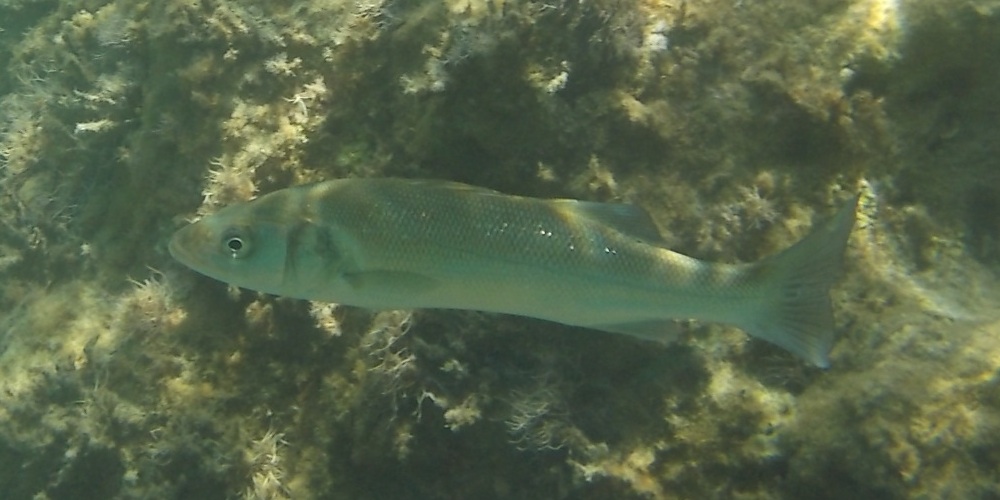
[189, 242]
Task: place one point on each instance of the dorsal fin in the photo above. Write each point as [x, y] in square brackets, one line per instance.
[627, 219]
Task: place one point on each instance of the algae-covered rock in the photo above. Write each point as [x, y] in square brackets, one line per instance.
[737, 124]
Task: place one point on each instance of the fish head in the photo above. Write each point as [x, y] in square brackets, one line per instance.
[235, 247]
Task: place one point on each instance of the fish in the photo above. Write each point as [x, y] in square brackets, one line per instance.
[389, 243]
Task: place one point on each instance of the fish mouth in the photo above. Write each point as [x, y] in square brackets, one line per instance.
[183, 243]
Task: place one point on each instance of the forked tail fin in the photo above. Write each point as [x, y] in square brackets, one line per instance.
[796, 313]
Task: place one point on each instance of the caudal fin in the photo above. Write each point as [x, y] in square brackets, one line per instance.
[796, 313]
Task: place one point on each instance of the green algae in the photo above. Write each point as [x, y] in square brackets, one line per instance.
[735, 123]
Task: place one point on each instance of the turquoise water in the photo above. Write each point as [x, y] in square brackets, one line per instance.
[737, 125]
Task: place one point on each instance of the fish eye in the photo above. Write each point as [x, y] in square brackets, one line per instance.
[236, 242]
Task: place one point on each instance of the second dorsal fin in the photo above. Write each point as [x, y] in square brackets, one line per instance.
[627, 219]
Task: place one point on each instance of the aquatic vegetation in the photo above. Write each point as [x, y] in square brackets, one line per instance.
[738, 124]
[148, 310]
[325, 318]
[537, 420]
[265, 463]
[390, 362]
[227, 184]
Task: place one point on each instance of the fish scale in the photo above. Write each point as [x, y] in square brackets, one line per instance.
[480, 225]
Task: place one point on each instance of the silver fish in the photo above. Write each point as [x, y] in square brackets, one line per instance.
[402, 244]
